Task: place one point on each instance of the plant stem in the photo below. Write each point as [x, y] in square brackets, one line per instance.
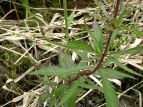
[99, 63]
[66, 19]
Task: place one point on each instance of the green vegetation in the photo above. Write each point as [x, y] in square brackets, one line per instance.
[61, 57]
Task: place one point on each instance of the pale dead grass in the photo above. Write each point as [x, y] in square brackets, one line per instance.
[14, 33]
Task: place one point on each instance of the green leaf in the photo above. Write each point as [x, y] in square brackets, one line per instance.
[72, 100]
[26, 6]
[69, 94]
[49, 71]
[90, 86]
[97, 37]
[93, 38]
[138, 49]
[118, 22]
[65, 69]
[79, 45]
[49, 82]
[65, 61]
[114, 34]
[66, 18]
[111, 73]
[112, 59]
[58, 92]
[52, 97]
[109, 92]
[61, 72]
[70, 18]
[83, 55]
[136, 31]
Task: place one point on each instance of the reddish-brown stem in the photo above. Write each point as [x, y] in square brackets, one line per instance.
[116, 8]
[107, 43]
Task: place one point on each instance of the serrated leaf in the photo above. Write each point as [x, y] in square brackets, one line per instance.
[65, 61]
[72, 100]
[61, 72]
[109, 92]
[138, 49]
[49, 83]
[93, 38]
[96, 36]
[49, 71]
[112, 59]
[83, 55]
[58, 92]
[111, 73]
[79, 45]
[87, 83]
[90, 86]
[70, 92]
